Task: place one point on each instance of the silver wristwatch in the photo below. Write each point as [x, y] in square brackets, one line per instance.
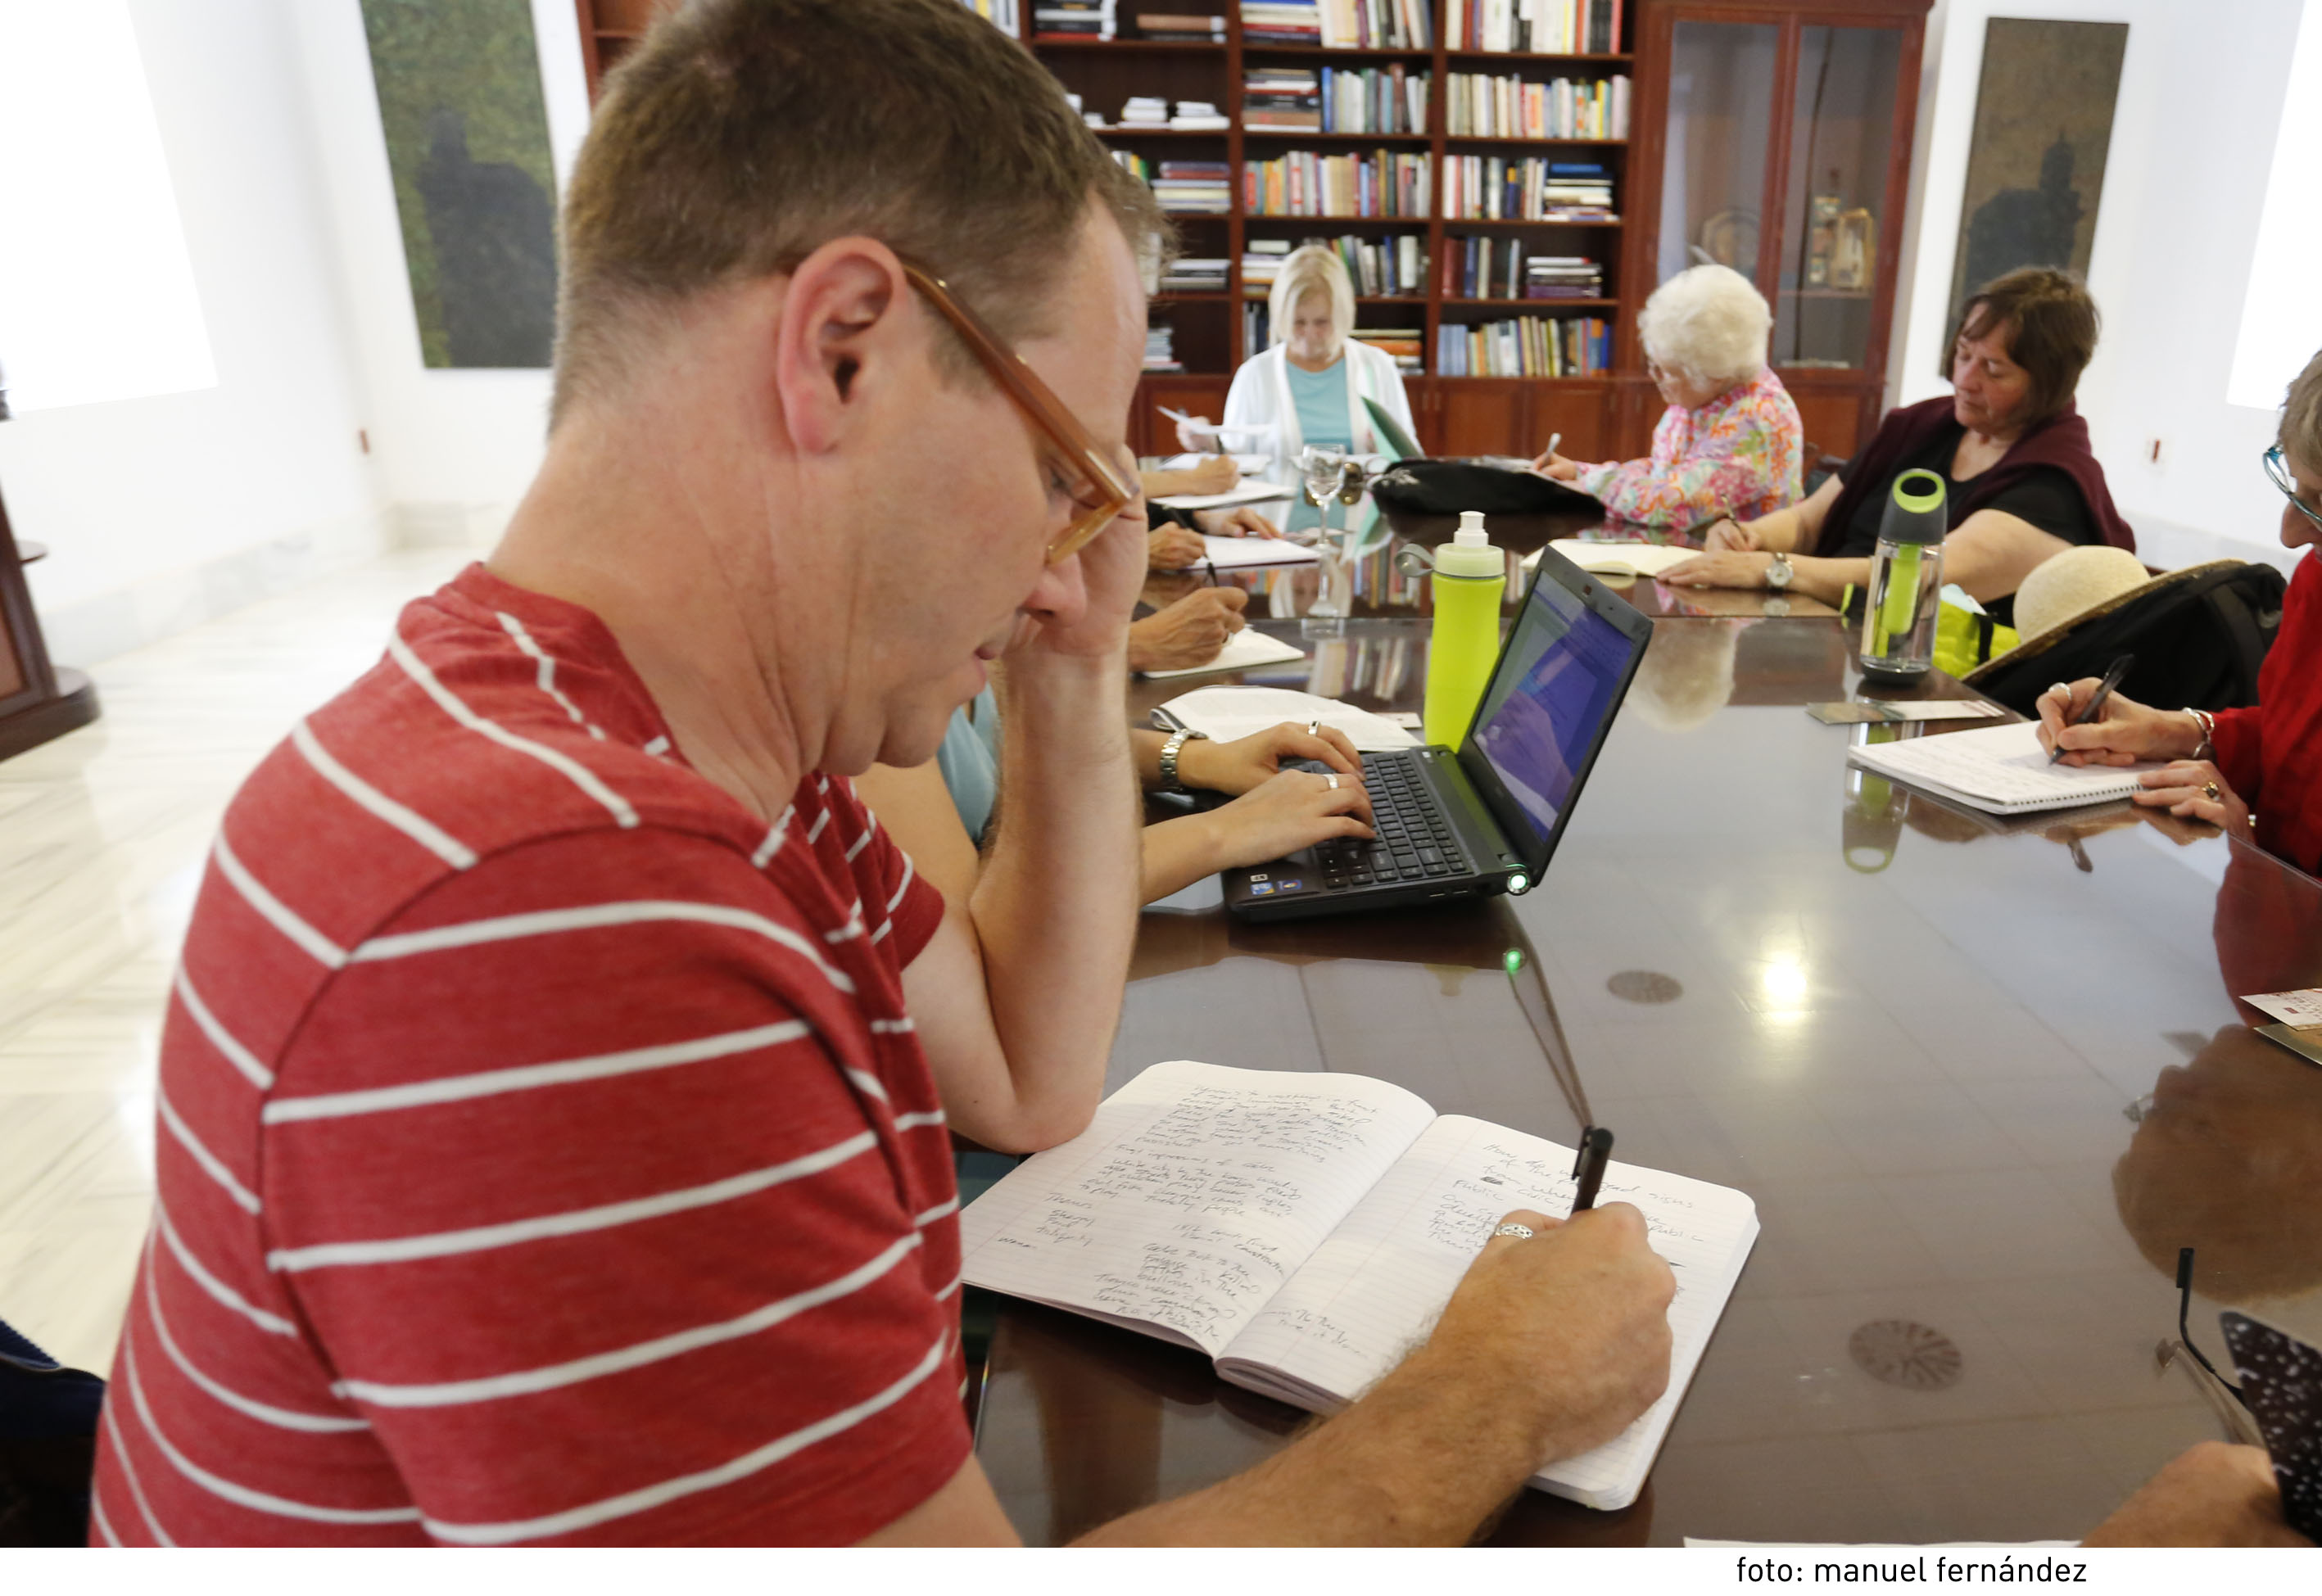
[1170, 750]
[1779, 571]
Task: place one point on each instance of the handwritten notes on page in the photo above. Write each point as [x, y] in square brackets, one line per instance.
[1194, 1194]
[2002, 770]
[1372, 1290]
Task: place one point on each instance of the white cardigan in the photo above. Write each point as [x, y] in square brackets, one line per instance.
[1260, 400]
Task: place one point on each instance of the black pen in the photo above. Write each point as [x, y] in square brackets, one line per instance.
[1595, 1153]
[2112, 678]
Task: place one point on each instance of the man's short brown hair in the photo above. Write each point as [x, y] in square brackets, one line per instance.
[2301, 436]
[744, 134]
[2051, 325]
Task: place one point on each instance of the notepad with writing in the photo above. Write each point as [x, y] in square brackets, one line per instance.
[2001, 770]
[1304, 1230]
[1612, 558]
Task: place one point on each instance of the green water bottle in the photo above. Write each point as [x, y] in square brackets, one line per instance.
[1471, 575]
[1906, 582]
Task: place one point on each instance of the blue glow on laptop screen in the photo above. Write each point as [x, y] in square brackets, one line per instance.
[1551, 696]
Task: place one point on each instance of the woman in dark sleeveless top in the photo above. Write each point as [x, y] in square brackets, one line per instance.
[2021, 483]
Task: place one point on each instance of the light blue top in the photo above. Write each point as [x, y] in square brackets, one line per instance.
[1319, 397]
[969, 760]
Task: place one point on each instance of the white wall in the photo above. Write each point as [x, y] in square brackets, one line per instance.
[2201, 94]
[162, 510]
[455, 448]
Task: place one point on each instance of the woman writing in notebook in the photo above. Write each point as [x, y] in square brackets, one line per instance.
[2021, 482]
[2267, 755]
[1729, 441]
[1311, 386]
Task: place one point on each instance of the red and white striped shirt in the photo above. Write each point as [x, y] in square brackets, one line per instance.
[546, 1153]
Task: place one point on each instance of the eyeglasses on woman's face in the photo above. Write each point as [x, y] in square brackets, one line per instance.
[1072, 463]
[2277, 468]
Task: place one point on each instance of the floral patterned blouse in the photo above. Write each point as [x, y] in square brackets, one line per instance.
[1738, 455]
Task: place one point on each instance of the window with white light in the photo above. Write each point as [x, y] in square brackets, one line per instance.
[2281, 317]
[98, 299]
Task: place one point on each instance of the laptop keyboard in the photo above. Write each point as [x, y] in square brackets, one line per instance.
[1416, 843]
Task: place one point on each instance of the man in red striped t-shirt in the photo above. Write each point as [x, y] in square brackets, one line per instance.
[556, 1087]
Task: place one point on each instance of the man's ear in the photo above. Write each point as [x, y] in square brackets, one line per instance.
[839, 338]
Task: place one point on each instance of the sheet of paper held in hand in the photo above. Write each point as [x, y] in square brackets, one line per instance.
[1304, 1230]
[1887, 711]
[1239, 553]
[1255, 491]
[1226, 713]
[1245, 649]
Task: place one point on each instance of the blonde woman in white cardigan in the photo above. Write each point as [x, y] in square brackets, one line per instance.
[1309, 387]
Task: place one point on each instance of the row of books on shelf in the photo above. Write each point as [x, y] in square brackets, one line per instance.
[1153, 114]
[1379, 267]
[1306, 183]
[1484, 107]
[1181, 28]
[1529, 189]
[1161, 348]
[1195, 274]
[1072, 20]
[1183, 187]
[1337, 100]
[1528, 346]
[1503, 268]
[1545, 27]
[1339, 24]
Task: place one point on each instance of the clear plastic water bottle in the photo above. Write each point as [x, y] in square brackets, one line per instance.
[1907, 583]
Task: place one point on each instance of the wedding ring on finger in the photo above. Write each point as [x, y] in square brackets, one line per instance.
[1333, 781]
[1314, 728]
[2210, 790]
[2061, 690]
[1521, 1232]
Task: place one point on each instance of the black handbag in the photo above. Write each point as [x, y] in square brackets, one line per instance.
[48, 1445]
[1447, 487]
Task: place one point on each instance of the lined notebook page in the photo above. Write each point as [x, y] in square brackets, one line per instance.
[1191, 1197]
[1372, 1290]
[2000, 768]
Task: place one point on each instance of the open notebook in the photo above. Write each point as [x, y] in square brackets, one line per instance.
[2001, 769]
[1306, 1229]
[1611, 557]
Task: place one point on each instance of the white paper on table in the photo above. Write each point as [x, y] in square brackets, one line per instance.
[1245, 650]
[1249, 493]
[1226, 713]
[2301, 1008]
[1617, 559]
[1231, 553]
[1248, 464]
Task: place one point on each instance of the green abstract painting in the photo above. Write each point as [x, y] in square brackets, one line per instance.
[467, 140]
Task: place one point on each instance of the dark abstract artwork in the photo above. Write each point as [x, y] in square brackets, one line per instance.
[467, 140]
[2035, 168]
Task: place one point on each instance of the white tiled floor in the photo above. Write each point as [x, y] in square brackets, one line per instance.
[102, 836]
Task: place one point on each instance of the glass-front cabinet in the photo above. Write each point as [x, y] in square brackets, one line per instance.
[1784, 143]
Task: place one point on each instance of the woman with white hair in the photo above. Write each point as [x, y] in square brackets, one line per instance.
[1309, 387]
[1729, 441]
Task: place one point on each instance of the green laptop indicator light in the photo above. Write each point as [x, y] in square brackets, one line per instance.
[1517, 882]
[1513, 960]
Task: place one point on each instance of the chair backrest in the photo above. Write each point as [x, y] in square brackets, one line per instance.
[48, 1445]
[2199, 634]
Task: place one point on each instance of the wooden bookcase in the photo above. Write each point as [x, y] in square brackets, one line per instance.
[1786, 49]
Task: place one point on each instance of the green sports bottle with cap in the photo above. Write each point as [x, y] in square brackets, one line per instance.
[1907, 583]
[1471, 576]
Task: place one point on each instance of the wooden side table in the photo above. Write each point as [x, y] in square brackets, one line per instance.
[38, 701]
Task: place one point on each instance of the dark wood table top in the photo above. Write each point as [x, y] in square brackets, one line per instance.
[1981, 1079]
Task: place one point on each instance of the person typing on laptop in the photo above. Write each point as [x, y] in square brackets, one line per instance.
[556, 1091]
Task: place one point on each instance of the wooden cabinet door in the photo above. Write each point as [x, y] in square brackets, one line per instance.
[1483, 415]
[1578, 414]
[1426, 396]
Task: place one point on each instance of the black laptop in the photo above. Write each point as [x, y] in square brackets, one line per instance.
[1485, 819]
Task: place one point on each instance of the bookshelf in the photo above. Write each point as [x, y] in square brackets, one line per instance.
[1791, 109]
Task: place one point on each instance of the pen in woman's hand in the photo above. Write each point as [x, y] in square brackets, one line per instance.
[2112, 678]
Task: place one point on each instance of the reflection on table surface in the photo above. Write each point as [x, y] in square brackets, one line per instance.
[1358, 575]
[1982, 1077]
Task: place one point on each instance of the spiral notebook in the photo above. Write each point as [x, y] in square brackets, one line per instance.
[1999, 769]
[1304, 1229]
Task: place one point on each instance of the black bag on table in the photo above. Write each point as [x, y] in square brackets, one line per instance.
[48, 1445]
[1447, 487]
[2199, 634]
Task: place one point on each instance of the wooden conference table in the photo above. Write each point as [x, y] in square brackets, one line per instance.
[1981, 1081]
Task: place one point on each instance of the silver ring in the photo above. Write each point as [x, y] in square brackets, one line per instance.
[2062, 689]
[1521, 1232]
[1333, 781]
[1314, 728]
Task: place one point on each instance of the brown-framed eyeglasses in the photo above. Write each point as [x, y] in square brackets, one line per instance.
[1076, 467]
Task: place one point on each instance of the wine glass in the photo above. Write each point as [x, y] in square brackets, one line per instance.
[1323, 470]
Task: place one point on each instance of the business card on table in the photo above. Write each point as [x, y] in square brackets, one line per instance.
[2300, 1008]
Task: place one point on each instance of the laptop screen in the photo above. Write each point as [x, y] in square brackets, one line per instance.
[1560, 677]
